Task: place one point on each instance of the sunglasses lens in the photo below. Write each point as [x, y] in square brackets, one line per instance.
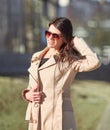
[47, 33]
[54, 36]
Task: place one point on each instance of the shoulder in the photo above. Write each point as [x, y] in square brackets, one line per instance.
[35, 56]
[38, 55]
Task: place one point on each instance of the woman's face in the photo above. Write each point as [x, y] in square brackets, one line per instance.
[54, 37]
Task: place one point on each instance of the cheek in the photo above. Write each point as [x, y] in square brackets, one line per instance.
[59, 44]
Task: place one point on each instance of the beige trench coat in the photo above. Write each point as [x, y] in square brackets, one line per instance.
[56, 112]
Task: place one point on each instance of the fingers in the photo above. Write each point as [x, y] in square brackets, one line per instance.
[37, 96]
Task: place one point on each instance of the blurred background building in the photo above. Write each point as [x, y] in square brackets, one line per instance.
[23, 22]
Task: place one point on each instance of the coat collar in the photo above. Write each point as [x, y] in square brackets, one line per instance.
[34, 68]
[51, 61]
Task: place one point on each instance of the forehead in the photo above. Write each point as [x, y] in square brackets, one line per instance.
[53, 29]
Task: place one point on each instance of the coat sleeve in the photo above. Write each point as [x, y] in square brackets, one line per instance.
[26, 90]
[91, 60]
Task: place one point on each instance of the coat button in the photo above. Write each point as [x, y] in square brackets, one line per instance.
[36, 105]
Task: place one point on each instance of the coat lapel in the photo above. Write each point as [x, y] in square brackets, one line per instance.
[48, 63]
[33, 70]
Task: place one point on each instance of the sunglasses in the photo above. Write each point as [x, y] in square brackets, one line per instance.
[54, 35]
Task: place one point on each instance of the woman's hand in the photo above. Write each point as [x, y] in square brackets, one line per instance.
[33, 96]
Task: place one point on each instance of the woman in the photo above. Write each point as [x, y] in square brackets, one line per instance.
[51, 74]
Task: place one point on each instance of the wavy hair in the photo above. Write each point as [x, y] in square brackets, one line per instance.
[67, 51]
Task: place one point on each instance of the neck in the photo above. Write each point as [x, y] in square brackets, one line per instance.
[51, 52]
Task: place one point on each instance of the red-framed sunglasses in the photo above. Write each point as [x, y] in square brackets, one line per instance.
[54, 35]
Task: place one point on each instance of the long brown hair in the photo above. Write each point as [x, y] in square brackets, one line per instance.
[64, 25]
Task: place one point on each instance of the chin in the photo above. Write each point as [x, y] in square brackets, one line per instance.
[51, 46]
